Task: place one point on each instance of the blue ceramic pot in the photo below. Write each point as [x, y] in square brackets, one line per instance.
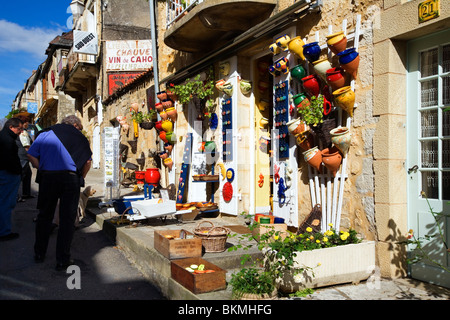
[347, 56]
[311, 51]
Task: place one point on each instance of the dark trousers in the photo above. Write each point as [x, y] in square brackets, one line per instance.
[54, 186]
[26, 180]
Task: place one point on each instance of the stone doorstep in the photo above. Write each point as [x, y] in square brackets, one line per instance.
[138, 245]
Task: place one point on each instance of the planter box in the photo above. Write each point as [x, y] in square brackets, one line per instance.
[198, 283]
[342, 264]
[264, 228]
[177, 248]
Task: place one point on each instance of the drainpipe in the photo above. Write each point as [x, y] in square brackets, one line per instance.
[156, 72]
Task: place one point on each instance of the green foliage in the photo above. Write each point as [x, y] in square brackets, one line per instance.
[140, 117]
[252, 280]
[313, 115]
[12, 113]
[195, 87]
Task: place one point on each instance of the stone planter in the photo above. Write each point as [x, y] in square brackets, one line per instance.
[351, 263]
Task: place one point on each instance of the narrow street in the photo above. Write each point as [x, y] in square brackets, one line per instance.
[105, 273]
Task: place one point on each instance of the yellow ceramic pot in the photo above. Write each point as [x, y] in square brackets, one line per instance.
[282, 42]
[345, 98]
[167, 125]
[335, 37]
[296, 46]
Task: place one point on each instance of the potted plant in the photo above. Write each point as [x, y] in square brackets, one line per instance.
[145, 120]
[313, 115]
[198, 91]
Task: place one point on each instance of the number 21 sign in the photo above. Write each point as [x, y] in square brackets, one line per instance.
[428, 10]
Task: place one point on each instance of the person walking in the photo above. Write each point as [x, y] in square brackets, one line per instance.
[62, 155]
[24, 143]
[10, 175]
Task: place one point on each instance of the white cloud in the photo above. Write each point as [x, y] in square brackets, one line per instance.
[15, 38]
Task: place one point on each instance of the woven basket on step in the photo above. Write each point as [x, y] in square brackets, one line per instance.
[213, 238]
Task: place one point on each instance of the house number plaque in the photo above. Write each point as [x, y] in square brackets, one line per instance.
[428, 10]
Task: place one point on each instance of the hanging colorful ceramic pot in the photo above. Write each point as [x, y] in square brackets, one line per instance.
[227, 192]
[167, 103]
[311, 84]
[168, 147]
[313, 157]
[167, 125]
[274, 48]
[345, 99]
[159, 107]
[274, 72]
[172, 114]
[163, 115]
[349, 61]
[283, 41]
[295, 45]
[162, 135]
[140, 176]
[341, 139]
[162, 95]
[320, 67]
[337, 42]
[311, 51]
[152, 176]
[219, 84]
[301, 101]
[246, 86]
[134, 107]
[168, 163]
[170, 137]
[331, 159]
[171, 94]
[336, 78]
[298, 72]
[158, 125]
[295, 126]
[305, 140]
[227, 88]
[282, 65]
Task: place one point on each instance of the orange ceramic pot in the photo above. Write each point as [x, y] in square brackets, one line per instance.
[331, 159]
[172, 114]
[313, 157]
[159, 107]
[337, 42]
[336, 78]
[305, 140]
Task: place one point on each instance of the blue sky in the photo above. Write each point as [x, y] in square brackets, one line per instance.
[26, 28]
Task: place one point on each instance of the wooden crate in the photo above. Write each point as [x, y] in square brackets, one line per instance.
[177, 248]
[264, 228]
[198, 283]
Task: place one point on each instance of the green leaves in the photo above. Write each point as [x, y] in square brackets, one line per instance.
[313, 115]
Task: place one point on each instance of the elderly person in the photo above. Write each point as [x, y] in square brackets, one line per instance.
[10, 175]
[63, 156]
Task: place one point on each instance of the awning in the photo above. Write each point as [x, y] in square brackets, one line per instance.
[268, 27]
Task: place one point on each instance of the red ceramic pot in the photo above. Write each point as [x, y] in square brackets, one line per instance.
[159, 107]
[311, 84]
[158, 125]
[336, 78]
[140, 176]
[152, 176]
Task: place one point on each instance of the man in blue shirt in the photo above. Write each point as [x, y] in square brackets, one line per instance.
[63, 157]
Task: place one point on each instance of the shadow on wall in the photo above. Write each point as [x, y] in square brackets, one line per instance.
[399, 250]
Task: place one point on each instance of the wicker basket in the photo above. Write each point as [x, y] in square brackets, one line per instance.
[213, 238]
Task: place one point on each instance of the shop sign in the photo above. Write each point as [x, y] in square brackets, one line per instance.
[129, 55]
[32, 107]
[118, 80]
[85, 42]
[428, 10]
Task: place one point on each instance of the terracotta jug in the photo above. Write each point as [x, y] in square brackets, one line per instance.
[167, 103]
[331, 159]
[163, 115]
[161, 95]
[301, 101]
[337, 42]
[305, 140]
[349, 61]
[336, 78]
[159, 107]
[345, 99]
[311, 84]
[168, 163]
[341, 139]
[313, 157]
[295, 126]
[172, 114]
[168, 147]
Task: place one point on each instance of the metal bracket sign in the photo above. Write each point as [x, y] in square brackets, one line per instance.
[428, 10]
